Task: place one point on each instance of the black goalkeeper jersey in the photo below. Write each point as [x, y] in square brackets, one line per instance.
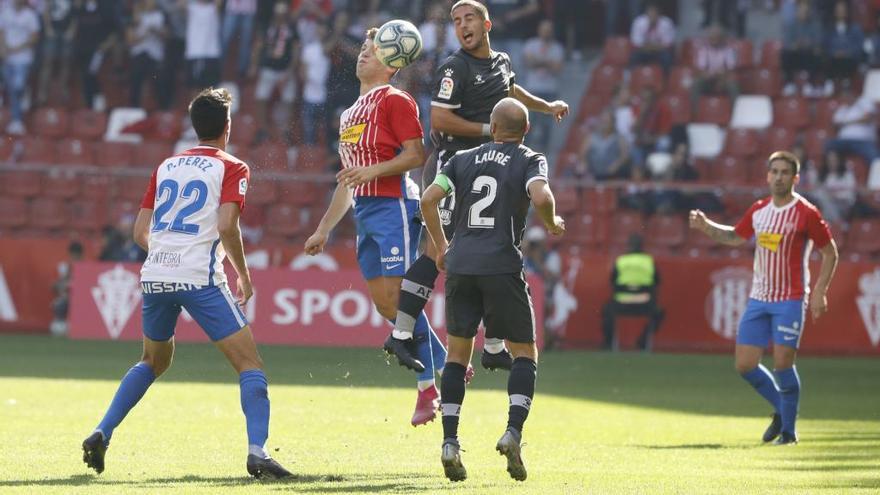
[492, 202]
[470, 87]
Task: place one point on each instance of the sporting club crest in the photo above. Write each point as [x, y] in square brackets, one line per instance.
[869, 304]
[117, 295]
[727, 300]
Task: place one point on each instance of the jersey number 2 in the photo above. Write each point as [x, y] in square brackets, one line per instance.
[475, 218]
[195, 187]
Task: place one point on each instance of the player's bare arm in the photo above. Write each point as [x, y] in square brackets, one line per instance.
[445, 121]
[557, 108]
[412, 156]
[141, 232]
[339, 205]
[818, 299]
[545, 205]
[230, 236]
[716, 231]
[430, 206]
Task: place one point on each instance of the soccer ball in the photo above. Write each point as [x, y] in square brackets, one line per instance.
[398, 43]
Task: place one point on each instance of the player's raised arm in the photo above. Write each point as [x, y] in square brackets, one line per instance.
[557, 108]
[339, 205]
[725, 234]
[230, 237]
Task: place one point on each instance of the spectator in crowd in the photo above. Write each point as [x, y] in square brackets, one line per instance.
[731, 14]
[801, 51]
[310, 15]
[61, 288]
[315, 69]
[844, 44]
[343, 46]
[543, 62]
[57, 48]
[715, 64]
[512, 22]
[175, 46]
[634, 281]
[569, 16]
[653, 39]
[872, 44]
[203, 48]
[856, 123]
[542, 260]
[438, 35]
[94, 36]
[653, 125]
[278, 53]
[20, 27]
[809, 174]
[837, 188]
[239, 19]
[118, 243]
[619, 13]
[670, 169]
[606, 153]
[146, 41]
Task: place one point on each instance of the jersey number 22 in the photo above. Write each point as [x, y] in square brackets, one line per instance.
[195, 191]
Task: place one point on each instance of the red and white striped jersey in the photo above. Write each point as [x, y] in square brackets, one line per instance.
[185, 194]
[784, 237]
[372, 131]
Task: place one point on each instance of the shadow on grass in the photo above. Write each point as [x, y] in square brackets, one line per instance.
[693, 446]
[841, 388]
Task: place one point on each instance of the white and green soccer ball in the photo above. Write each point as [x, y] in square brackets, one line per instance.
[398, 43]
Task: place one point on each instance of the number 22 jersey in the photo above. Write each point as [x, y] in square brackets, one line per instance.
[185, 194]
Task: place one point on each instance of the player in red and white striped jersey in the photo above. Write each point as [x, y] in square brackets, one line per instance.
[380, 141]
[785, 227]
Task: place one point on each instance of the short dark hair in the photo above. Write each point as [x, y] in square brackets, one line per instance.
[480, 8]
[209, 112]
[787, 157]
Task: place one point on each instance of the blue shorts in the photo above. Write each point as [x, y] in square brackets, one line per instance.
[388, 231]
[783, 320]
[213, 308]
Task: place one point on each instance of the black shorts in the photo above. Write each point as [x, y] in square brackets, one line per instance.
[503, 302]
[432, 167]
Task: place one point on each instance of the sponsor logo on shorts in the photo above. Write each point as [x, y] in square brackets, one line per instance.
[162, 287]
[390, 259]
[392, 267]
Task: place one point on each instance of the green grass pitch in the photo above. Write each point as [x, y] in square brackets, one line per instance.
[601, 423]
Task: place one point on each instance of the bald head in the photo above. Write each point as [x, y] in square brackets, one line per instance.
[509, 120]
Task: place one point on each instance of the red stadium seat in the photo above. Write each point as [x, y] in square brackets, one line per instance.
[730, 170]
[262, 192]
[312, 160]
[254, 215]
[626, 223]
[88, 214]
[283, 220]
[168, 126]
[299, 193]
[600, 199]
[98, 187]
[7, 148]
[679, 107]
[743, 49]
[61, 184]
[75, 152]
[776, 139]
[616, 51]
[114, 154]
[814, 142]
[591, 106]
[714, 110]
[131, 187]
[645, 76]
[761, 81]
[49, 122]
[48, 213]
[771, 51]
[688, 52]
[793, 113]
[605, 80]
[567, 200]
[14, 211]
[589, 230]
[25, 184]
[88, 125]
[268, 156]
[244, 129]
[825, 109]
[667, 230]
[741, 143]
[38, 151]
[864, 236]
[680, 80]
[150, 154]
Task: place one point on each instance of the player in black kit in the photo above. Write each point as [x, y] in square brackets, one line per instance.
[484, 269]
[467, 86]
